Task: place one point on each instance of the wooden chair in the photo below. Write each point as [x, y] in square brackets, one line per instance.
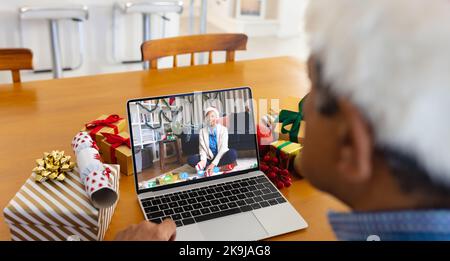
[154, 49]
[14, 60]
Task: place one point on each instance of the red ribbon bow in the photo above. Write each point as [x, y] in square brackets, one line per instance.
[97, 125]
[107, 172]
[115, 141]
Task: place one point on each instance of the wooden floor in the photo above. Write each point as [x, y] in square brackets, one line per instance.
[172, 163]
[155, 170]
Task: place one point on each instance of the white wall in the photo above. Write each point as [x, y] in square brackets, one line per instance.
[290, 17]
[284, 18]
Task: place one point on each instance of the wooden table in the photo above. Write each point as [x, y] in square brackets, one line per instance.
[44, 115]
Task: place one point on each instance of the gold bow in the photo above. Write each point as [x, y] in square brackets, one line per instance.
[53, 166]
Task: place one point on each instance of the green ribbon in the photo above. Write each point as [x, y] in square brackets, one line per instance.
[292, 118]
[280, 147]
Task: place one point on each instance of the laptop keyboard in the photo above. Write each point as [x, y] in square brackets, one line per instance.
[201, 204]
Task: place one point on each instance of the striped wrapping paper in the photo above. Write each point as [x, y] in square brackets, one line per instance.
[57, 210]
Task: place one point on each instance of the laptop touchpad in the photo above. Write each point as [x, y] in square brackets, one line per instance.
[243, 226]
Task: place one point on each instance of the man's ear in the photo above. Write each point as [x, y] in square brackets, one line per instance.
[355, 139]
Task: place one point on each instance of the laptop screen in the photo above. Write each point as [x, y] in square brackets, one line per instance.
[187, 137]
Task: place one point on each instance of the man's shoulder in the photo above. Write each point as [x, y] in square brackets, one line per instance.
[392, 226]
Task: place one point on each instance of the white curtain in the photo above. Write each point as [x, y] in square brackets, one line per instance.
[227, 102]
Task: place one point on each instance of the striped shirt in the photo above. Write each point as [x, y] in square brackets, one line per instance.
[413, 225]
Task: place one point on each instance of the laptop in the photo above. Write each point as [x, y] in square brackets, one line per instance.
[195, 160]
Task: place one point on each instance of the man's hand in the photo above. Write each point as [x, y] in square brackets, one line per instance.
[210, 169]
[148, 231]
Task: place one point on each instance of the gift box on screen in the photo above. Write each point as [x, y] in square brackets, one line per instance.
[116, 149]
[55, 210]
[286, 151]
[104, 124]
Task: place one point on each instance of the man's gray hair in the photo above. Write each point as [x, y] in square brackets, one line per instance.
[391, 58]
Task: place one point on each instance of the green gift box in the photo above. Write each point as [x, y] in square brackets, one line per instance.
[291, 124]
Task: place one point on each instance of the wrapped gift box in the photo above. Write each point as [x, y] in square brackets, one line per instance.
[120, 155]
[56, 210]
[286, 152]
[291, 114]
[99, 126]
[299, 138]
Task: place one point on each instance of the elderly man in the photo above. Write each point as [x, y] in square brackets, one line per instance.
[377, 134]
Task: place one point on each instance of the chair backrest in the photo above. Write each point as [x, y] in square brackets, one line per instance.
[154, 49]
[14, 60]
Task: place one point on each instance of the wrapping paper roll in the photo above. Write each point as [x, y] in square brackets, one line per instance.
[82, 141]
[96, 178]
[88, 161]
[99, 187]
